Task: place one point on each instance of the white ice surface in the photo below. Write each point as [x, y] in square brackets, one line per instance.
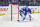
[34, 23]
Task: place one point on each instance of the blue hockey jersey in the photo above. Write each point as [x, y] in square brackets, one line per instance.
[29, 10]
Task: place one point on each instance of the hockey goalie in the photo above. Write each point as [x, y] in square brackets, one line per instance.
[25, 14]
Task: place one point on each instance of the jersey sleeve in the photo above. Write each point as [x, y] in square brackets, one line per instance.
[29, 10]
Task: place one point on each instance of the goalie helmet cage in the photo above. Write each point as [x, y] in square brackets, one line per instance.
[11, 10]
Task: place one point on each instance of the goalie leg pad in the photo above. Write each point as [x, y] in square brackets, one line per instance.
[30, 17]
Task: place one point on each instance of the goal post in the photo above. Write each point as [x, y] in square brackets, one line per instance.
[14, 11]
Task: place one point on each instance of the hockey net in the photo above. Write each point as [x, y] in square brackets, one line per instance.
[12, 14]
